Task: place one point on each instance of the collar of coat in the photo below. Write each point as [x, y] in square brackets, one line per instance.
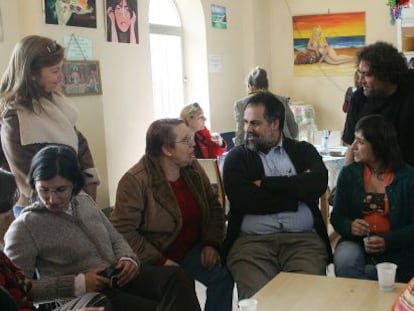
[161, 187]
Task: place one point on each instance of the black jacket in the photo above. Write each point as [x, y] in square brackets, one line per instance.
[397, 109]
[277, 193]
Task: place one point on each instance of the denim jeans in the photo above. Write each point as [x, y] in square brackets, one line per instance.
[351, 261]
[218, 281]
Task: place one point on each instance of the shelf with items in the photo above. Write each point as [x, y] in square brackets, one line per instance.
[405, 32]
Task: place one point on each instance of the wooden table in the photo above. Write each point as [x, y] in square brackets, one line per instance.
[294, 291]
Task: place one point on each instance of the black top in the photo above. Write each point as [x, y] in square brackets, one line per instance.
[397, 108]
[277, 193]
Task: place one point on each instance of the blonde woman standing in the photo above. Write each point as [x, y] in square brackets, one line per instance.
[34, 112]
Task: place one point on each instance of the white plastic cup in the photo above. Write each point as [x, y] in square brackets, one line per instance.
[248, 304]
[367, 238]
[386, 276]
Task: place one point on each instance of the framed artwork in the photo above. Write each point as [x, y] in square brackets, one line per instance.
[1, 28]
[81, 13]
[82, 78]
[327, 43]
[122, 21]
[218, 16]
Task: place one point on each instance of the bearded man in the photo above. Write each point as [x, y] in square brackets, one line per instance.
[273, 184]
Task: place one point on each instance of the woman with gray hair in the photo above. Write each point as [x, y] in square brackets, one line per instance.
[257, 81]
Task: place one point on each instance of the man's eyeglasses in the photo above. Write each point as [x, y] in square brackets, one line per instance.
[188, 140]
[62, 191]
[52, 47]
[363, 74]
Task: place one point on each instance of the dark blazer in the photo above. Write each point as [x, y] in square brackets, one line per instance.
[277, 193]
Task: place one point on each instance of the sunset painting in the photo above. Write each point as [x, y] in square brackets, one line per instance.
[327, 44]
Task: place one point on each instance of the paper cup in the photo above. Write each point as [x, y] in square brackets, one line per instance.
[368, 238]
[248, 304]
[386, 275]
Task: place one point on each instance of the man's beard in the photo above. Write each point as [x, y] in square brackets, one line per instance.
[259, 145]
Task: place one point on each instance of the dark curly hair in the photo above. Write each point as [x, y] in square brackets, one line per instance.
[385, 62]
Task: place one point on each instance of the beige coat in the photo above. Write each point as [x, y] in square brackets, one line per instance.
[24, 133]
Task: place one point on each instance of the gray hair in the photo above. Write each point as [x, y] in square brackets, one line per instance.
[257, 79]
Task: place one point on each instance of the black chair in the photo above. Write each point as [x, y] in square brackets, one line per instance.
[228, 137]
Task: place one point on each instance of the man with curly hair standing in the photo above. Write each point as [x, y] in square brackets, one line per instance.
[386, 88]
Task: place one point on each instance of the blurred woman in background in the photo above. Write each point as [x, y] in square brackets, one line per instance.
[257, 81]
[207, 145]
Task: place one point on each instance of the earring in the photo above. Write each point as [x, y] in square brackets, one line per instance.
[169, 154]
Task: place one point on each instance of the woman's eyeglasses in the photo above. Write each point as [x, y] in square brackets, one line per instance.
[52, 47]
[188, 140]
[61, 192]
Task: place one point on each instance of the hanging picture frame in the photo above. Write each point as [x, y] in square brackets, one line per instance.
[1, 28]
[79, 13]
[326, 44]
[122, 21]
[218, 16]
[82, 78]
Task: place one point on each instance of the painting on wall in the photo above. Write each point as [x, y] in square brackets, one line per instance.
[326, 44]
[81, 13]
[82, 78]
[1, 28]
[122, 21]
[218, 16]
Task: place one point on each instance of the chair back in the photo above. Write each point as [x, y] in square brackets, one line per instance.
[228, 137]
[211, 168]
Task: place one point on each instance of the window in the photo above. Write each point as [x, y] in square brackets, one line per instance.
[166, 58]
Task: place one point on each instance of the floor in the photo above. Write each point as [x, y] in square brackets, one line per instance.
[201, 294]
